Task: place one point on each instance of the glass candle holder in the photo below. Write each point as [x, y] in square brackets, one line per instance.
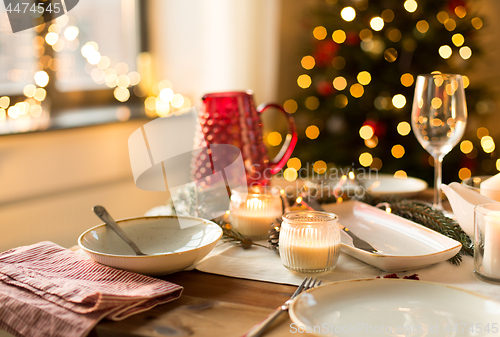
[309, 241]
[252, 212]
[487, 242]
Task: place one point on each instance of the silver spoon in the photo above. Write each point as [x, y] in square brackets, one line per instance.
[104, 216]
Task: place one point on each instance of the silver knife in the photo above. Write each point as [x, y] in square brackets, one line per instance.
[312, 204]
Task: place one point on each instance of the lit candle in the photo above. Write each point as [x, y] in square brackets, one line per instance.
[253, 214]
[491, 187]
[491, 257]
[309, 241]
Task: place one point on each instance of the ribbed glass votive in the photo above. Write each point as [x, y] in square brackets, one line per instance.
[253, 212]
[487, 242]
[309, 241]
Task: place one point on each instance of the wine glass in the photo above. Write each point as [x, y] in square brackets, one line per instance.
[438, 119]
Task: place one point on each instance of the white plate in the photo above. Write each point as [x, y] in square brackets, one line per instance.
[391, 307]
[402, 244]
[381, 184]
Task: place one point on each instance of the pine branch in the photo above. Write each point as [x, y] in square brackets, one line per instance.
[229, 235]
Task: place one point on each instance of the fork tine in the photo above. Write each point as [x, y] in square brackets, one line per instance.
[302, 286]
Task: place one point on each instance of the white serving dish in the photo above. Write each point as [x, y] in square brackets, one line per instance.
[169, 248]
[402, 244]
[392, 307]
[381, 184]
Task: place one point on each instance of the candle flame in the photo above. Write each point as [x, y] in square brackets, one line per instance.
[298, 200]
[388, 210]
[351, 175]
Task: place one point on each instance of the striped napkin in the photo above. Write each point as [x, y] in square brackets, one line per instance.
[47, 290]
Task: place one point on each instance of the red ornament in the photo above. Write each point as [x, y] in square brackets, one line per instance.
[325, 52]
[325, 88]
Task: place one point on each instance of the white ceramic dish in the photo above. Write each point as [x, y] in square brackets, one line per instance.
[171, 248]
[392, 307]
[386, 184]
[402, 244]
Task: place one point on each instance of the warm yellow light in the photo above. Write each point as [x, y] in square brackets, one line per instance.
[290, 174]
[304, 81]
[348, 13]
[294, 163]
[121, 94]
[13, 112]
[150, 103]
[340, 101]
[407, 79]
[442, 16]
[104, 62]
[274, 138]
[166, 95]
[134, 77]
[411, 5]
[404, 128]
[488, 144]
[71, 33]
[3, 115]
[308, 62]
[481, 132]
[94, 58]
[312, 132]
[364, 77]
[477, 23]
[339, 83]
[458, 39]
[391, 54]
[422, 26]
[372, 142]
[466, 146]
[445, 51]
[312, 102]
[41, 78]
[400, 174]
[40, 94]
[366, 132]
[123, 81]
[357, 90]
[51, 38]
[464, 173]
[36, 110]
[460, 11]
[290, 106]
[177, 101]
[465, 52]
[394, 34]
[320, 33]
[339, 36]
[399, 101]
[387, 15]
[436, 102]
[29, 90]
[377, 23]
[498, 164]
[319, 167]
[466, 81]
[23, 108]
[366, 35]
[398, 151]
[365, 159]
[450, 24]
[4, 102]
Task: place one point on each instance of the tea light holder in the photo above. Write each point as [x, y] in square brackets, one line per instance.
[252, 212]
[309, 241]
[487, 242]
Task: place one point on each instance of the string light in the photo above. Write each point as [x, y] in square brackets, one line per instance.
[445, 51]
[290, 106]
[464, 173]
[399, 101]
[398, 151]
[466, 146]
[404, 128]
[410, 5]
[312, 132]
[308, 62]
[274, 138]
[339, 36]
[348, 13]
[304, 81]
[377, 23]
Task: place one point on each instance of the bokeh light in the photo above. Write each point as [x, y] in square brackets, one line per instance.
[407, 79]
[399, 101]
[304, 81]
[364, 77]
[366, 132]
[340, 83]
[410, 5]
[320, 33]
[404, 128]
[365, 159]
[377, 23]
[339, 36]
[312, 132]
[274, 138]
[466, 146]
[290, 106]
[308, 62]
[294, 163]
[464, 173]
[398, 151]
[319, 167]
[348, 13]
[312, 102]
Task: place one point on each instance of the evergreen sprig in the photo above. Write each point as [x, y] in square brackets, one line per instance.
[423, 214]
[233, 236]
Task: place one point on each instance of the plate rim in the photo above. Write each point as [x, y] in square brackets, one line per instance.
[390, 176]
[297, 321]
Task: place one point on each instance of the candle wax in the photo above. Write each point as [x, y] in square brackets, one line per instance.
[491, 187]
[253, 224]
[310, 257]
[491, 257]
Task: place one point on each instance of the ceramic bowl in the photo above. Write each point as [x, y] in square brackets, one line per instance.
[169, 248]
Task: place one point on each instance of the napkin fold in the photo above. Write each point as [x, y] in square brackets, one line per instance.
[47, 290]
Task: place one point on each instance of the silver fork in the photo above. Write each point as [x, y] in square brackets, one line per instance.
[258, 329]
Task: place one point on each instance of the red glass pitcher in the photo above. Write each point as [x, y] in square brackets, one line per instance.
[231, 118]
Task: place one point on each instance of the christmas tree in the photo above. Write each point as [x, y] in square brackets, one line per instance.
[360, 67]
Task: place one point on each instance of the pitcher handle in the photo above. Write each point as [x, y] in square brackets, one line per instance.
[290, 140]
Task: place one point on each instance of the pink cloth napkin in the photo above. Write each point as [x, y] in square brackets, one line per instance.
[47, 290]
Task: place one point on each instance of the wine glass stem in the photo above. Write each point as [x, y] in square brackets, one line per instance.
[438, 172]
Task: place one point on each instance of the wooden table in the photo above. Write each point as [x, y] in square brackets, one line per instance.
[211, 305]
